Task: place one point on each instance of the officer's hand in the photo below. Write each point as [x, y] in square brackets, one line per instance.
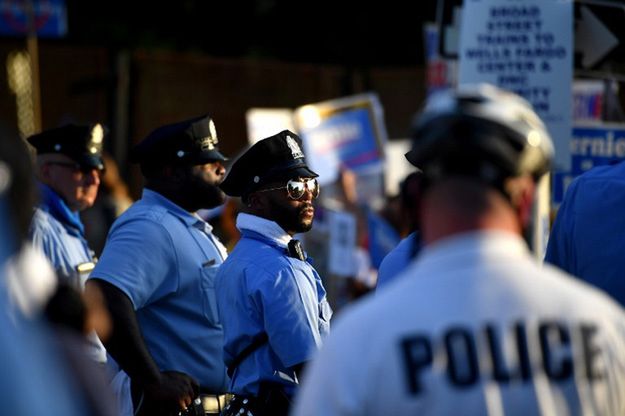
[174, 391]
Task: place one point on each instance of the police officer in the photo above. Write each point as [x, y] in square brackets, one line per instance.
[271, 300]
[475, 326]
[157, 273]
[68, 166]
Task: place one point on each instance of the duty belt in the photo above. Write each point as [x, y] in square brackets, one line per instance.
[213, 404]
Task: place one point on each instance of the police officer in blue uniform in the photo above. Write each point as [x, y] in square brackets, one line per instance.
[157, 269]
[69, 167]
[272, 302]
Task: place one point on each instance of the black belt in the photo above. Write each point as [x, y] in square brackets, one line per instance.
[271, 401]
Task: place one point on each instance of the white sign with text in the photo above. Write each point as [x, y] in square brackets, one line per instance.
[526, 47]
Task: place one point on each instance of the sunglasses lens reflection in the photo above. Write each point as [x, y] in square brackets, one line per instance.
[313, 186]
[296, 189]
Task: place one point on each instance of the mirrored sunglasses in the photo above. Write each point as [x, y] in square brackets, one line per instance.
[295, 188]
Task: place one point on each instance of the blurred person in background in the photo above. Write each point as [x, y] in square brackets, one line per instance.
[113, 199]
[272, 301]
[29, 276]
[157, 274]
[398, 258]
[586, 238]
[475, 325]
[38, 360]
[364, 275]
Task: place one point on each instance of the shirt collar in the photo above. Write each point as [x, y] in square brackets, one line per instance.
[267, 228]
[56, 206]
[185, 216]
[491, 244]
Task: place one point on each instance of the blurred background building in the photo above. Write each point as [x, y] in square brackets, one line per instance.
[137, 65]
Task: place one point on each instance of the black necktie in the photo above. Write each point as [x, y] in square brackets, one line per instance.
[295, 250]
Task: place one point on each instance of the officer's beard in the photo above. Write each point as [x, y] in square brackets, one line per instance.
[290, 218]
[203, 195]
[196, 192]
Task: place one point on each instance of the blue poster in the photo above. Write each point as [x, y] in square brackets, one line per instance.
[346, 133]
[590, 146]
[349, 137]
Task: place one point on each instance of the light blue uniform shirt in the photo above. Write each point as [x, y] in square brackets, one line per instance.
[261, 289]
[58, 232]
[165, 259]
[588, 236]
[397, 259]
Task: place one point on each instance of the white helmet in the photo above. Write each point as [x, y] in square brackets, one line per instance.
[481, 131]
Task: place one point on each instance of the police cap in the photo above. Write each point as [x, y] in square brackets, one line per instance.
[82, 143]
[274, 158]
[190, 142]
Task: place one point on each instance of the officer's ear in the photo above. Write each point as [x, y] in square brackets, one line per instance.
[521, 191]
[257, 202]
[253, 200]
[176, 173]
[44, 170]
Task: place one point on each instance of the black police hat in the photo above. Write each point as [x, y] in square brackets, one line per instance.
[189, 142]
[82, 143]
[274, 158]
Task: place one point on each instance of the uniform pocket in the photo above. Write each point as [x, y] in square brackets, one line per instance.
[209, 297]
[325, 314]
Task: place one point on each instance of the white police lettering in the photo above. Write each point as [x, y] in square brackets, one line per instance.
[295, 149]
[510, 355]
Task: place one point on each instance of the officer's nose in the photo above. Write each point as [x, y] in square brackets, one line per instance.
[221, 169]
[307, 196]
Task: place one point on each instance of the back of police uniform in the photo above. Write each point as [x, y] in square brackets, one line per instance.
[443, 347]
[475, 326]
